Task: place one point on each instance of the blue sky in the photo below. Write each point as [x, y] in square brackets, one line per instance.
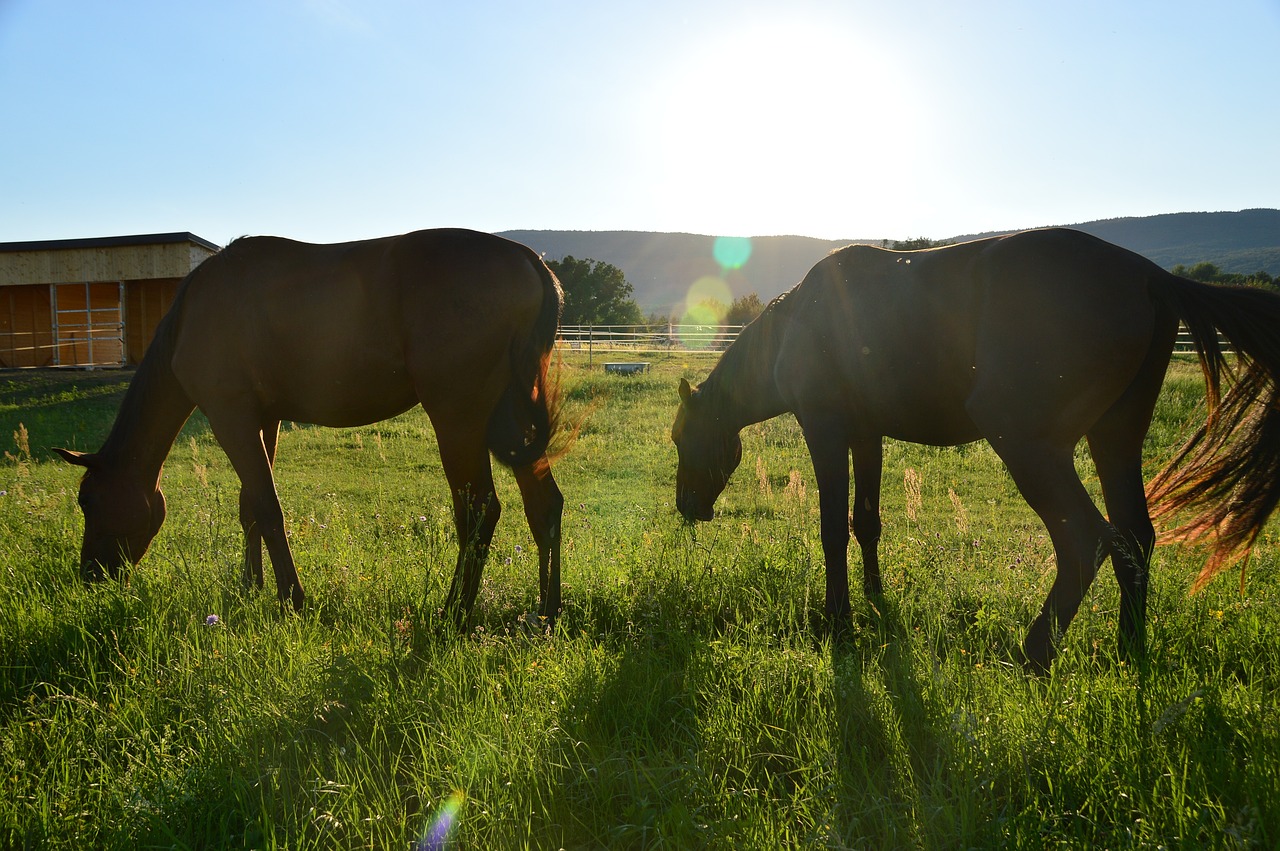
[327, 120]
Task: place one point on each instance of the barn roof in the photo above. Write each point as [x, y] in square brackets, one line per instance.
[109, 242]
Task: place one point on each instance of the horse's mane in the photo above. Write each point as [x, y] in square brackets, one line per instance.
[154, 385]
[747, 365]
[781, 305]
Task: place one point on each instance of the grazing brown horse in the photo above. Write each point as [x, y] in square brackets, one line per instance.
[269, 329]
[1031, 342]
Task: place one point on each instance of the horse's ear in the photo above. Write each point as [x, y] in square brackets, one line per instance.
[80, 459]
[686, 392]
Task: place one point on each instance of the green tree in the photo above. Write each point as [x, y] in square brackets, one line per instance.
[1263, 278]
[595, 293]
[744, 309]
[913, 244]
[1206, 272]
[1209, 273]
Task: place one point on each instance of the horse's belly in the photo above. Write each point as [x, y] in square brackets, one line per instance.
[320, 389]
[907, 399]
[340, 404]
[930, 424]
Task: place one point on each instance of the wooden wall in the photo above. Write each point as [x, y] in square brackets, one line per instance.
[65, 306]
[26, 327]
[145, 303]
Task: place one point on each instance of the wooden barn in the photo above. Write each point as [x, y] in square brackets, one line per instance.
[89, 302]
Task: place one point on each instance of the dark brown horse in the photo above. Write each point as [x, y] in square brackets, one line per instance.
[268, 329]
[1031, 342]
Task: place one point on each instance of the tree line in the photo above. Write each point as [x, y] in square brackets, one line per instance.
[1209, 273]
[598, 293]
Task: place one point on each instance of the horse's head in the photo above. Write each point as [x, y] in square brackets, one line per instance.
[121, 516]
[709, 452]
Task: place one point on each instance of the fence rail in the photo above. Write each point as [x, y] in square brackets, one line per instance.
[647, 338]
[702, 338]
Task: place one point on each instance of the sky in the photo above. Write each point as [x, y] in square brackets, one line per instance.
[329, 120]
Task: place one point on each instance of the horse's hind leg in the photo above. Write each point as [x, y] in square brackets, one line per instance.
[1116, 445]
[543, 508]
[1115, 442]
[475, 508]
[1046, 476]
[1120, 471]
[252, 534]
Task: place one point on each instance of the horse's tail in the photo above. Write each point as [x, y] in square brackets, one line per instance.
[1228, 473]
[528, 414]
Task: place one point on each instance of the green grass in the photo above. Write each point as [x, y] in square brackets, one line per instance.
[686, 698]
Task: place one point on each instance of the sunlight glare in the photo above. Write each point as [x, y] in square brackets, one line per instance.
[780, 119]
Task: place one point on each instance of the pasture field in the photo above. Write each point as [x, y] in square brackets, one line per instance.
[686, 698]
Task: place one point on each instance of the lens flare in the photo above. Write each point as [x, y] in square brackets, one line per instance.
[706, 303]
[446, 816]
[732, 252]
[708, 299]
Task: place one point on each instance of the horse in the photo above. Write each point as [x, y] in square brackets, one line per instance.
[342, 335]
[1031, 341]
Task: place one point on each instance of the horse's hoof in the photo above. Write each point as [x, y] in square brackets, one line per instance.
[1036, 661]
[1132, 649]
[293, 599]
[840, 629]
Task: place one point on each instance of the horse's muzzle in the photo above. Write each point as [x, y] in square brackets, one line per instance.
[692, 512]
[92, 571]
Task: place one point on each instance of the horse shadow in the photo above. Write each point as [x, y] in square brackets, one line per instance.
[55, 658]
[886, 736]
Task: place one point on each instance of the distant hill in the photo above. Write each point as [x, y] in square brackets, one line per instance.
[662, 266]
[1247, 241]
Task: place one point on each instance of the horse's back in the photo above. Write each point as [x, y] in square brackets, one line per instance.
[887, 336]
[1067, 323]
[915, 340]
[348, 333]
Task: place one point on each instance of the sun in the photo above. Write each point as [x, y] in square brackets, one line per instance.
[768, 115]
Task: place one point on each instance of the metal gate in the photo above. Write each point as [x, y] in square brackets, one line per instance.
[88, 324]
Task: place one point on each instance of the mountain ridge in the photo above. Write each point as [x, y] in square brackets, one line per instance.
[661, 267]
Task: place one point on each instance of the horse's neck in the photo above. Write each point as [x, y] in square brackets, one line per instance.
[743, 381]
[150, 417]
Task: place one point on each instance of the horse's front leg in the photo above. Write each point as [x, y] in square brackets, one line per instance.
[246, 447]
[252, 543]
[829, 449]
[253, 576]
[868, 465]
[544, 508]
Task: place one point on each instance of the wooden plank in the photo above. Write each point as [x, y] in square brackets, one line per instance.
[116, 263]
[145, 303]
[26, 334]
